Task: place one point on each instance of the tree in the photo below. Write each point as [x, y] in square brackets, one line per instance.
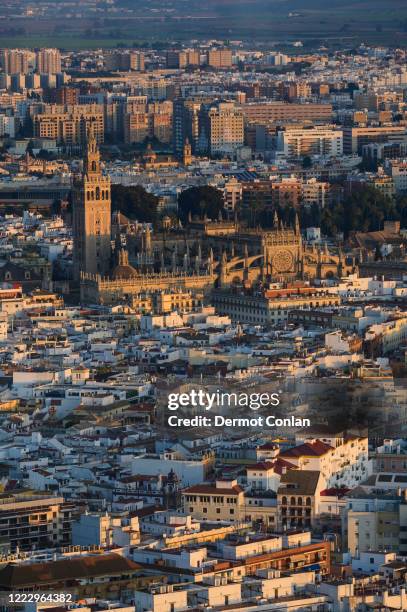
[363, 211]
[135, 202]
[30, 149]
[201, 201]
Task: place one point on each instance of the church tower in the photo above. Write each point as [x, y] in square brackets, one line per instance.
[92, 216]
[187, 153]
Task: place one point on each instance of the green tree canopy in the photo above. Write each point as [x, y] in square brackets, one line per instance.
[200, 201]
[363, 211]
[135, 202]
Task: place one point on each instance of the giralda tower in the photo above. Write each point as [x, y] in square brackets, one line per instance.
[92, 216]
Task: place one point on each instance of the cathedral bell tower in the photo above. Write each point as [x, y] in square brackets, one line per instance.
[92, 215]
[187, 153]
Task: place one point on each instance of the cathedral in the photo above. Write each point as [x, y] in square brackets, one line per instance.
[116, 259]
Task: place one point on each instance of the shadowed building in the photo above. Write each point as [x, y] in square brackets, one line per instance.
[103, 575]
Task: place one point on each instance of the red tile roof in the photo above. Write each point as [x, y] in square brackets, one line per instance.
[277, 465]
[338, 492]
[308, 449]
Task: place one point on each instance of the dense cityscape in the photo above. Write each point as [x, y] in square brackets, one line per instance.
[203, 325]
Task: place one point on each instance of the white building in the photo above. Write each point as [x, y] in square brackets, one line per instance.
[306, 141]
[189, 471]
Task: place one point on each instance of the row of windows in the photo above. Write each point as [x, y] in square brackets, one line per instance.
[218, 510]
[8, 275]
[209, 499]
[299, 501]
[294, 513]
[98, 194]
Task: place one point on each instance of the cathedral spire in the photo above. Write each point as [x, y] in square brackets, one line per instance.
[174, 261]
[147, 239]
[297, 224]
[92, 155]
[123, 257]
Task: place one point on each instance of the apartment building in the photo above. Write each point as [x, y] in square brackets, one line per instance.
[160, 116]
[220, 58]
[355, 138]
[30, 520]
[191, 471]
[106, 576]
[105, 530]
[383, 338]
[142, 120]
[371, 521]
[315, 192]
[397, 170]
[232, 194]
[69, 125]
[64, 95]
[223, 501]
[255, 191]
[295, 90]
[271, 308]
[374, 100]
[314, 557]
[271, 193]
[125, 61]
[390, 457]
[264, 475]
[182, 59]
[280, 112]
[48, 61]
[221, 129]
[16, 61]
[342, 462]
[298, 499]
[306, 141]
[186, 119]
[136, 127]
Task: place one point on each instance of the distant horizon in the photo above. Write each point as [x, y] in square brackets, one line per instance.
[337, 25]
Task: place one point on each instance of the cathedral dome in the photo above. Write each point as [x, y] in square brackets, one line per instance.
[124, 269]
